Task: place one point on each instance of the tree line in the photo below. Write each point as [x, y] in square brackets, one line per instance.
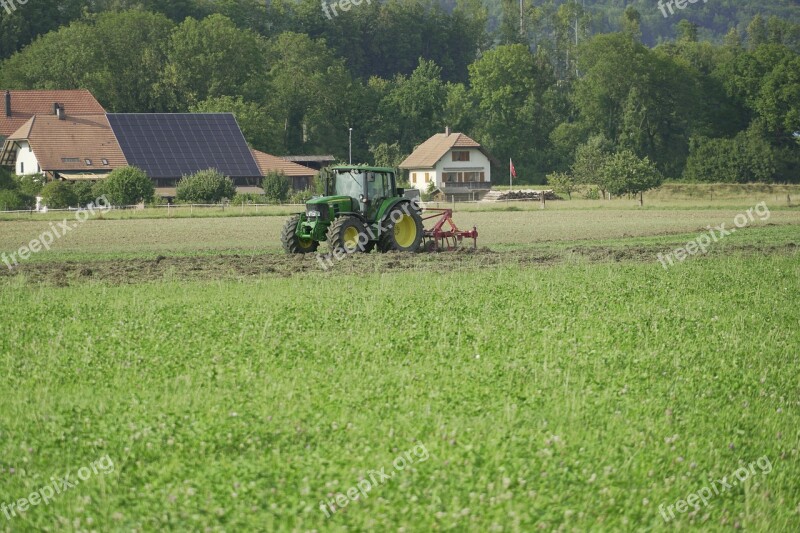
[539, 92]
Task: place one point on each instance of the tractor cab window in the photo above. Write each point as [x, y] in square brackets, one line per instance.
[349, 184]
[377, 185]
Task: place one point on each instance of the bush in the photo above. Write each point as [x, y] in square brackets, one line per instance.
[7, 181]
[562, 183]
[205, 187]
[248, 198]
[31, 184]
[15, 200]
[301, 197]
[127, 186]
[276, 187]
[58, 195]
[84, 193]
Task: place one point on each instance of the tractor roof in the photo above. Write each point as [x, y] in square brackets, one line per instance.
[363, 168]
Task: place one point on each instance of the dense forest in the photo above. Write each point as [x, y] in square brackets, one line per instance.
[709, 93]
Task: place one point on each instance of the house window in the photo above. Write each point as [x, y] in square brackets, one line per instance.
[483, 176]
[88, 162]
[461, 155]
[21, 167]
[70, 159]
[105, 161]
[414, 177]
[472, 176]
[449, 176]
[427, 177]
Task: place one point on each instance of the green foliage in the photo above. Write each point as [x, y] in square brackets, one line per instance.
[625, 173]
[744, 159]
[276, 187]
[7, 181]
[13, 200]
[590, 158]
[248, 198]
[59, 195]
[127, 186]
[562, 183]
[84, 193]
[205, 187]
[387, 155]
[31, 184]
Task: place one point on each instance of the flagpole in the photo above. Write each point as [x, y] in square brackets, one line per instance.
[510, 185]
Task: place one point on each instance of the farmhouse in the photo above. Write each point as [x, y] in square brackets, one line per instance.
[18, 107]
[75, 148]
[456, 165]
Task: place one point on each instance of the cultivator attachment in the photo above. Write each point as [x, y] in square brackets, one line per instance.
[445, 235]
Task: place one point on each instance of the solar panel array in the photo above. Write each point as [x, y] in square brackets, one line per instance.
[174, 145]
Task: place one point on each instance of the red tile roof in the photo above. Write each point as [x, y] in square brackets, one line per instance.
[75, 140]
[269, 163]
[26, 104]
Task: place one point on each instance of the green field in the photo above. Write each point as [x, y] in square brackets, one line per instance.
[558, 377]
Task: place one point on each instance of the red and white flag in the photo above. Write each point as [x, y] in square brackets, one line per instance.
[513, 170]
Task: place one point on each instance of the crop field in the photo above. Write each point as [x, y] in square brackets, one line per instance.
[190, 377]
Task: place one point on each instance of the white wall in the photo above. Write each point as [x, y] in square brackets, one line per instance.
[27, 159]
[477, 163]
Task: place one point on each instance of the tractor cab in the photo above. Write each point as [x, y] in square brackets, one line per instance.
[367, 187]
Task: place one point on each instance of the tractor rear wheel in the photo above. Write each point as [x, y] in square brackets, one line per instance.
[348, 234]
[292, 243]
[402, 231]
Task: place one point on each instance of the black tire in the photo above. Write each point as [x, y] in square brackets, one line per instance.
[347, 233]
[293, 244]
[402, 230]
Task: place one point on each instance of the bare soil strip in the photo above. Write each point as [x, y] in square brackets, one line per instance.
[222, 267]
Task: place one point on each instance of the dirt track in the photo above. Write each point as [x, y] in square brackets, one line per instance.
[160, 268]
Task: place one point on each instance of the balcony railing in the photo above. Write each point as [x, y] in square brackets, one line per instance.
[467, 185]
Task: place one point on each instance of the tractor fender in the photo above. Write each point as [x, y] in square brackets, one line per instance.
[405, 204]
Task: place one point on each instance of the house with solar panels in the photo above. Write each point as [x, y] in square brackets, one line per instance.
[88, 145]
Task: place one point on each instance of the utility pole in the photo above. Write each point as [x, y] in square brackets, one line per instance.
[521, 20]
[351, 146]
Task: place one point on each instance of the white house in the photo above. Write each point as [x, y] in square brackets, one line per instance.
[454, 163]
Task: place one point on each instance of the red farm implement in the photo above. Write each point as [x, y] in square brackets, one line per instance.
[445, 235]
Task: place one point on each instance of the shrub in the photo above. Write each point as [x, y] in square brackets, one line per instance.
[127, 186]
[276, 187]
[205, 186]
[301, 197]
[84, 193]
[58, 195]
[247, 198]
[15, 200]
[562, 183]
[7, 182]
[31, 184]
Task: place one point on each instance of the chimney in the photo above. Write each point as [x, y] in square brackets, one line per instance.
[61, 113]
[55, 108]
[447, 131]
[8, 104]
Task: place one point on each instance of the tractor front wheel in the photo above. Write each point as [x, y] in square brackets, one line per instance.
[292, 242]
[402, 230]
[348, 234]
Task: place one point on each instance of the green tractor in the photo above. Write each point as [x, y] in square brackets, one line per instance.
[362, 209]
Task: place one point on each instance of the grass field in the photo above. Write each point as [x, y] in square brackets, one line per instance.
[557, 378]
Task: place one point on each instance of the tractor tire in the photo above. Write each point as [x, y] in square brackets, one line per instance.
[293, 244]
[402, 231]
[348, 234]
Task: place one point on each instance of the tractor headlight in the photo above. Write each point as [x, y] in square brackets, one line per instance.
[313, 214]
